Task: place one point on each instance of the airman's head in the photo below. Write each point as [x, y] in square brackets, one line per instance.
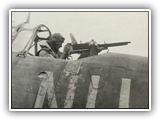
[57, 39]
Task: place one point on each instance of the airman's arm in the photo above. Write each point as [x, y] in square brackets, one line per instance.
[66, 51]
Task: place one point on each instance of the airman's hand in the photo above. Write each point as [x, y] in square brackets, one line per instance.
[68, 48]
[66, 51]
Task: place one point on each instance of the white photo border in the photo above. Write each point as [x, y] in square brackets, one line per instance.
[81, 10]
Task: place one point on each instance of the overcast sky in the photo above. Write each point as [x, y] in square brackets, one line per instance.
[101, 26]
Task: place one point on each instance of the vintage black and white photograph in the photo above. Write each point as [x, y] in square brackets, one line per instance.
[80, 59]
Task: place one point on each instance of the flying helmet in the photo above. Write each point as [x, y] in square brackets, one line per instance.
[58, 36]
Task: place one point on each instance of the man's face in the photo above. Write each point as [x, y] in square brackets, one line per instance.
[59, 44]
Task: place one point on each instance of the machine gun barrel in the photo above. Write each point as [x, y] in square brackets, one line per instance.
[79, 48]
[105, 46]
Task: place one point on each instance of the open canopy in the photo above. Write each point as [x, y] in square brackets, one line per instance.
[26, 36]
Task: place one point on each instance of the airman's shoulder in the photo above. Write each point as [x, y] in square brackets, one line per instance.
[44, 53]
